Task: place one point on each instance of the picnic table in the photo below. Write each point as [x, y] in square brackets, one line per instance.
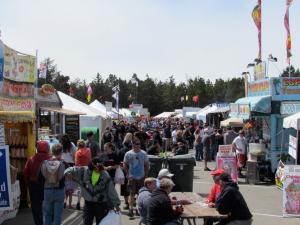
[198, 208]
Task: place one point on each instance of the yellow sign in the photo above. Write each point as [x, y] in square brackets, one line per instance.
[19, 67]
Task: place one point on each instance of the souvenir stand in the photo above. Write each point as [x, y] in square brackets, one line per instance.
[17, 116]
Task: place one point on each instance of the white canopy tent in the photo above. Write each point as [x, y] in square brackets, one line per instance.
[232, 122]
[165, 115]
[292, 121]
[201, 115]
[91, 117]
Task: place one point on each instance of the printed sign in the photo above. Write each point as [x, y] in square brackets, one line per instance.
[285, 88]
[225, 150]
[259, 88]
[291, 191]
[229, 165]
[5, 183]
[293, 146]
[260, 71]
[18, 67]
[2, 134]
[16, 104]
[72, 127]
[14, 89]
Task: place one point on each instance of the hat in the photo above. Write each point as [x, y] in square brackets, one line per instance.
[217, 172]
[43, 147]
[225, 177]
[165, 173]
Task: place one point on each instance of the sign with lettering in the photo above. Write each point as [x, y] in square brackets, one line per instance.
[285, 88]
[259, 88]
[291, 191]
[229, 165]
[260, 71]
[288, 108]
[225, 149]
[293, 146]
[17, 104]
[5, 183]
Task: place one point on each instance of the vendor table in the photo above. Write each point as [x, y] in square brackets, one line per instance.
[198, 209]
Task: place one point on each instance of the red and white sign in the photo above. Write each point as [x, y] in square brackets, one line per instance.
[225, 150]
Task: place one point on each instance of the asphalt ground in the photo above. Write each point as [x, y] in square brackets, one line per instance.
[264, 201]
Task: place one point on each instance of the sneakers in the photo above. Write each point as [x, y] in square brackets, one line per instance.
[78, 206]
[126, 206]
[207, 169]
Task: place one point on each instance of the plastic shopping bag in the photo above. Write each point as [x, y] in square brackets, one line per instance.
[119, 176]
[112, 218]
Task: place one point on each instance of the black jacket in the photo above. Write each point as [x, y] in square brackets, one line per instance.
[231, 201]
[160, 209]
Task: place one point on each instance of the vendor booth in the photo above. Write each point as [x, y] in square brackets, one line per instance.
[204, 114]
[215, 117]
[268, 102]
[89, 118]
[17, 121]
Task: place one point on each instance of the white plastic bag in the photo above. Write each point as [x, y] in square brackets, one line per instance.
[112, 218]
[119, 176]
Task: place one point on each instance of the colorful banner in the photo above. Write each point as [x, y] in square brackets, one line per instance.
[5, 182]
[287, 27]
[17, 104]
[285, 88]
[259, 88]
[260, 71]
[229, 165]
[225, 150]
[291, 191]
[256, 15]
[16, 89]
[19, 67]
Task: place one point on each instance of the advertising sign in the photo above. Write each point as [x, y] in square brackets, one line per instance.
[225, 150]
[291, 191]
[18, 67]
[229, 165]
[16, 104]
[259, 88]
[288, 108]
[260, 71]
[5, 183]
[293, 146]
[285, 88]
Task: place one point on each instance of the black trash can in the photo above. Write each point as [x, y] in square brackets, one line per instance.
[182, 167]
[155, 165]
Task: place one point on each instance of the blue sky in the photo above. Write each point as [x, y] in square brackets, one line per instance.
[184, 38]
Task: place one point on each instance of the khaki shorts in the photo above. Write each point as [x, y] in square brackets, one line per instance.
[205, 154]
[134, 186]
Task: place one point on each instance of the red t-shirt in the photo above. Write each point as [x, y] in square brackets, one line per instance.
[83, 157]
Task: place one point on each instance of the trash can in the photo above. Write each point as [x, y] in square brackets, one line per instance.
[155, 165]
[182, 167]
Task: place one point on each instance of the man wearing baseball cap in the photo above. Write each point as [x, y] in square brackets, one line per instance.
[216, 189]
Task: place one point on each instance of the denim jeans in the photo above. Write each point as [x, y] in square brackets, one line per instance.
[53, 205]
[199, 152]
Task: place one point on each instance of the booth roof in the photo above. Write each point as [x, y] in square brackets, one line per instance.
[61, 111]
[292, 121]
[98, 105]
[233, 122]
[73, 104]
[261, 104]
[165, 115]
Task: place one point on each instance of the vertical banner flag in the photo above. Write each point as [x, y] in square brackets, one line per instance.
[287, 27]
[116, 89]
[181, 98]
[43, 71]
[186, 98]
[195, 98]
[89, 93]
[256, 15]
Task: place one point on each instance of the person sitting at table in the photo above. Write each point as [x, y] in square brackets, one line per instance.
[144, 196]
[160, 211]
[216, 189]
[231, 202]
[213, 195]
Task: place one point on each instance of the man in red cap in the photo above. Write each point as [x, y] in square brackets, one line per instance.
[216, 189]
[36, 188]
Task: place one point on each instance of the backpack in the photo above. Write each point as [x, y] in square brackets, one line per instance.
[52, 172]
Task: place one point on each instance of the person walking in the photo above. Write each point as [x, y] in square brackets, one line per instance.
[231, 202]
[110, 159]
[35, 186]
[92, 144]
[229, 136]
[239, 145]
[198, 146]
[206, 148]
[136, 165]
[97, 188]
[52, 171]
[83, 157]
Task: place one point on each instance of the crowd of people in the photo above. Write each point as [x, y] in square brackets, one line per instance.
[88, 169]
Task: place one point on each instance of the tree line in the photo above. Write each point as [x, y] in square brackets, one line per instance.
[156, 95]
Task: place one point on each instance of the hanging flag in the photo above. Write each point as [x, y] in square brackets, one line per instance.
[186, 98]
[43, 71]
[256, 15]
[182, 98]
[195, 98]
[287, 27]
[115, 96]
[89, 93]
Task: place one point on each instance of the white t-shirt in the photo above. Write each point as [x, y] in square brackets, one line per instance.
[174, 136]
[68, 156]
[241, 144]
